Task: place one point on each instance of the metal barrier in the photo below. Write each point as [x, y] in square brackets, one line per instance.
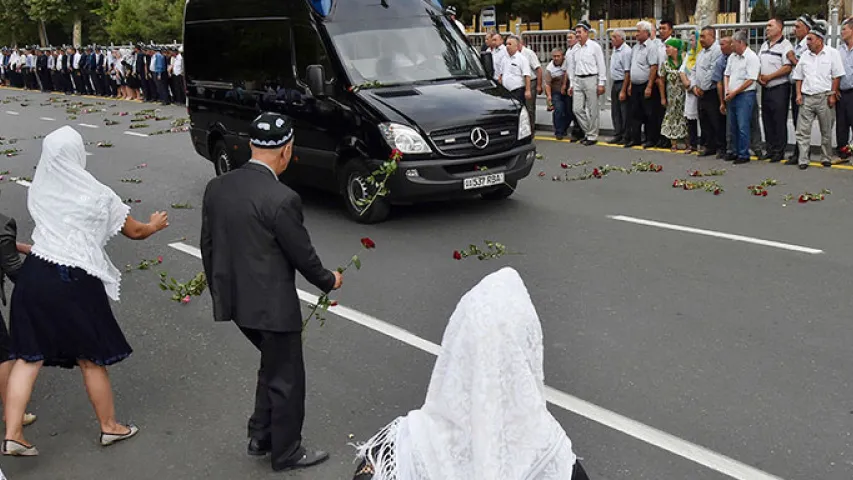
[477, 40]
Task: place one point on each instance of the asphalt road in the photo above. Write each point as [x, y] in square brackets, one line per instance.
[742, 348]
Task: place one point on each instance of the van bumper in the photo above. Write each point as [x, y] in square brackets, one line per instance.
[426, 180]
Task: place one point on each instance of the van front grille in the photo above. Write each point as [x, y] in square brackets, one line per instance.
[457, 142]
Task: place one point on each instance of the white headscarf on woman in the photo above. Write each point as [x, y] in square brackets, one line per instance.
[75, 214]
[485, 415]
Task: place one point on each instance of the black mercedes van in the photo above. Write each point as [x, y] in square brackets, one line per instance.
[360, 78]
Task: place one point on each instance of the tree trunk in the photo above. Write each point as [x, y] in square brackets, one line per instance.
[706, 12]
[682, 11]
[43, 35]
[78, 30]
[771, 7]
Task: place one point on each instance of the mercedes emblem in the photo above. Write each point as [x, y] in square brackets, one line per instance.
[480, 138]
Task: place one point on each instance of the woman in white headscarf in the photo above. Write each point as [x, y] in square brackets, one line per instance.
[485, 416]
[60, 314]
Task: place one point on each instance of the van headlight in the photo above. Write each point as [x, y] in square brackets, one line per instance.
[404, 138]
[524, 129]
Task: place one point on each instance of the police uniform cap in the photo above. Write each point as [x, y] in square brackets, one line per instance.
[271, 130]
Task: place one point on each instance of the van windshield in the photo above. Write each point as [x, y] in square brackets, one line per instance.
[423, 49]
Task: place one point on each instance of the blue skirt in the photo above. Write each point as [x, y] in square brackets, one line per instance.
[60, 315]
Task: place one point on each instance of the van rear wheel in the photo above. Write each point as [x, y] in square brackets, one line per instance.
[356, 190]
[222, 161]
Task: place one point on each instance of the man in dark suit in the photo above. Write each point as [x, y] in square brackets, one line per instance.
[252, 243]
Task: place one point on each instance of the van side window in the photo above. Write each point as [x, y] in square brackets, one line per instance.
[310, 51]
[249, 53]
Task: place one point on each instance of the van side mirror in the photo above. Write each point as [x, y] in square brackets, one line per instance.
[488, 63]
[316, 78]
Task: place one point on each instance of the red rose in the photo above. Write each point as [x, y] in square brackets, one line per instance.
[396, 155]
[658, 168]
[564, 165]
[334, 303]
[160, 259]
[476, 167]
[717, 191]
[368, 243]
[803, 199]
[596, 173]
[686, 186]
[764, 193]
[186, 300]
[822, 197]
[541, 174]
[457, 255]
[675, 184]
[694, 173]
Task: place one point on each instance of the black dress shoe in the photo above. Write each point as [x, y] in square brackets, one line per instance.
[258, 448]
[804, 166]
[648, 145]
[741, 161]
[731, 158]
[826, 164]
[303, 459]
[631, 145]
[776, 158]
[707, 153]
[588, 142]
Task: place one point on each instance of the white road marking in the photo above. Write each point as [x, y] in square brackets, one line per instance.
[47, 119]
[683, 448]
[23, 183]
[9, 112]
[87, 125]
[134, 134]
[712, 233]
[89, 154]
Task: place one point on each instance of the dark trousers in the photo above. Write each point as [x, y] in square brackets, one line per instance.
[774, 115]
[844, 118]
[280, 393]
[561, 106]
[693, 133]
[712, 121]
[619, 112]
[795, 112]
[178, 89]
[644, 114]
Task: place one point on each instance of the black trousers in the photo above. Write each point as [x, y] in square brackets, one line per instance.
[712, 122]
[280, 393]
[774, 115]
[178, 89]
[644, 114]
[619, 111]
[844, 118]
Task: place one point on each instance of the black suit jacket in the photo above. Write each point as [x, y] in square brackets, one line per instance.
[252, 243]
[10, 260]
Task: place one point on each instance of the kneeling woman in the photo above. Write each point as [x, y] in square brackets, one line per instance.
[485, 415]
[60, 313]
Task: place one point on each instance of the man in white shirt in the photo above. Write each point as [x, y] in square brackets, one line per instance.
[802, 27]
[535, 78]
[451, 13]
[177, 70]
[741, 79]
[775, 89]
[844, 108]
[589, 76]
[515, 71]
[498, 51]
[817, 93]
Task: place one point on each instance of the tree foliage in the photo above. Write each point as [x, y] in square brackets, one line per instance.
[144, 20]
[16, 26]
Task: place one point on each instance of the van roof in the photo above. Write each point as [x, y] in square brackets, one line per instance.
[340, 10]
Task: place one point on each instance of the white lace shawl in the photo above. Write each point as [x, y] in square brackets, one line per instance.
[485, 415]
[75, 214]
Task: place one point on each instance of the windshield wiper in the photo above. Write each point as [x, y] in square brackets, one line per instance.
[445, 79]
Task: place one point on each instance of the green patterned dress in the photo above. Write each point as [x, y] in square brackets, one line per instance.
[674, 122]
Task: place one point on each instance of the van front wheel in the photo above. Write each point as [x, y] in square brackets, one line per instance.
[222, 158]
[356, 191]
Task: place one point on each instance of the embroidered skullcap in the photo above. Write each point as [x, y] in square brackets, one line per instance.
[271, 130]
[584, 25]
[451, 10]
[819, 30]
[807, 20]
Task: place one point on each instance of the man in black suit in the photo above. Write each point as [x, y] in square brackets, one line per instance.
[252, 243]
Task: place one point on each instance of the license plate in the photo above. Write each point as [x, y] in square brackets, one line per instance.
[484, 181]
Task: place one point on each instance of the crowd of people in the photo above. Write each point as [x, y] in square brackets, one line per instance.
[694, 92]
[142, 72]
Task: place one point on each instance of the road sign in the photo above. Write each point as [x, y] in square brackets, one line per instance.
[488, 17]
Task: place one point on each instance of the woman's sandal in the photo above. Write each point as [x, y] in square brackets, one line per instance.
[108, 439]
[18, 449]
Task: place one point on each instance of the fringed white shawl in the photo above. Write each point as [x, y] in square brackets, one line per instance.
[75, 214]
[485, 414]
